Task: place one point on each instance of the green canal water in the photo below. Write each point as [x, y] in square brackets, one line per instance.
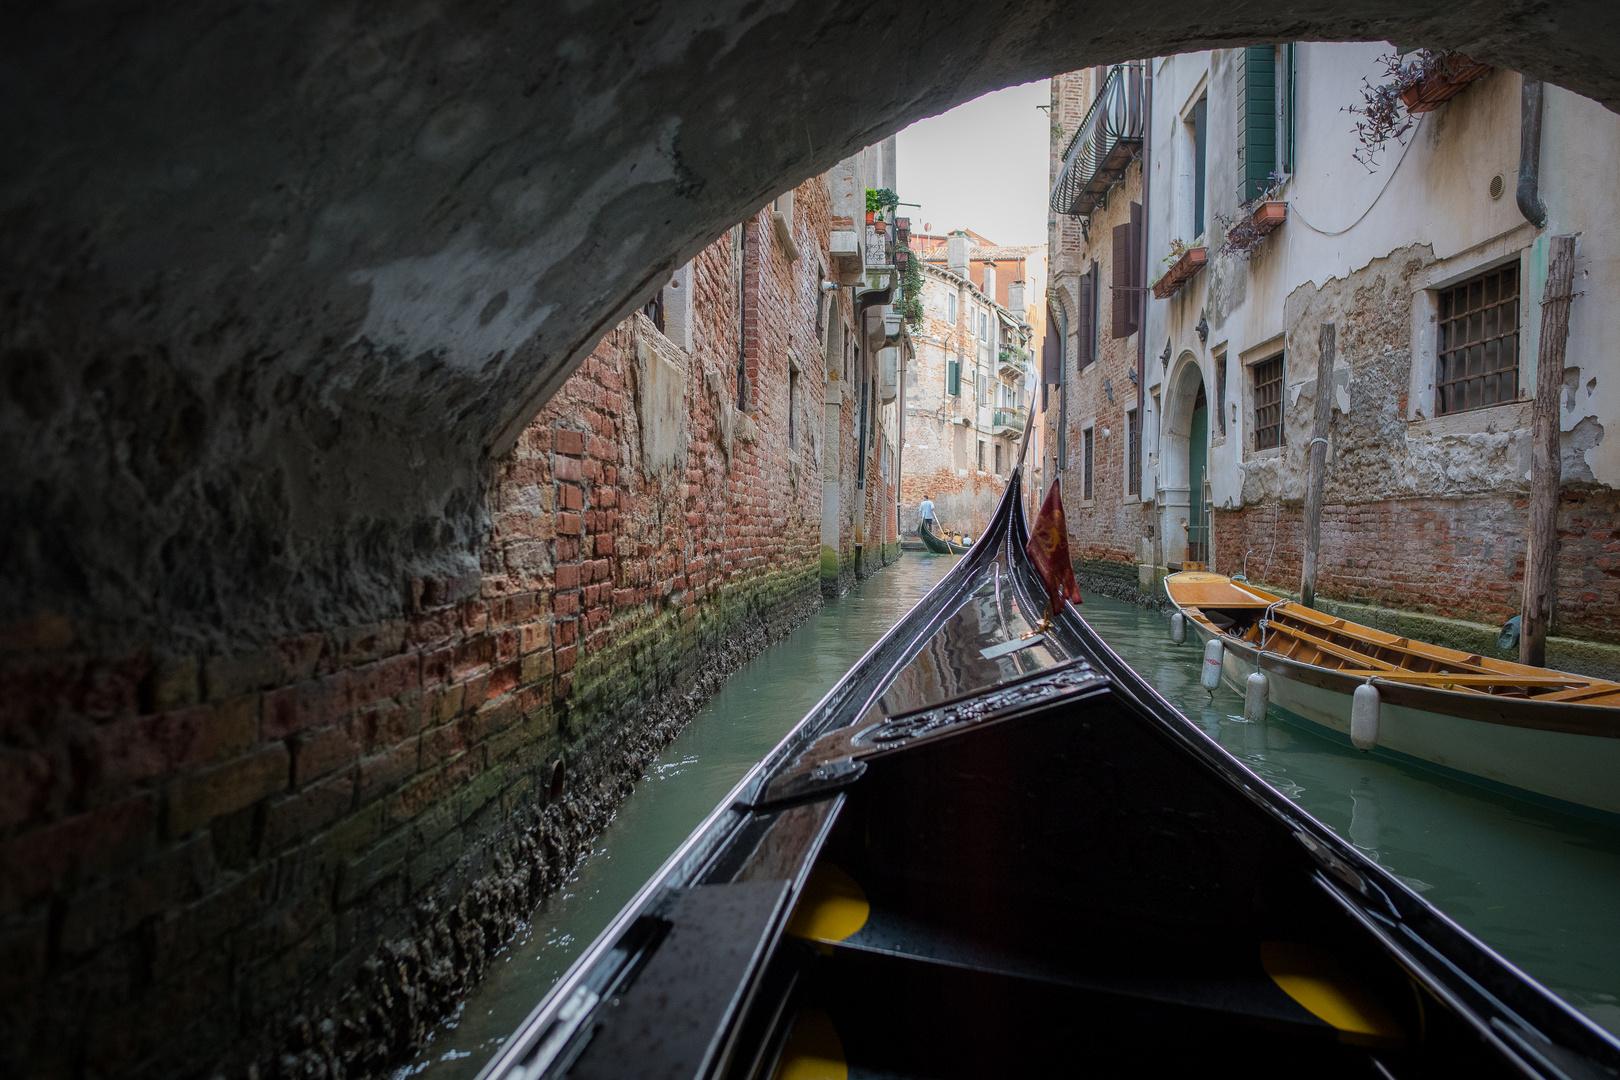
[1541, 888]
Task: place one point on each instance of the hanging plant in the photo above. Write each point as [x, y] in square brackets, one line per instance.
[911, 289]
[1389, 110]
[1254, 220]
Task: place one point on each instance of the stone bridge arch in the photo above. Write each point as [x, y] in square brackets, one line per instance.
[279, 283]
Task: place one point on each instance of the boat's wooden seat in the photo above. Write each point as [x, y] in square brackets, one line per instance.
[1205, 590]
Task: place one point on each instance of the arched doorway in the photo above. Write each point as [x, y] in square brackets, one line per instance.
[1184, 466]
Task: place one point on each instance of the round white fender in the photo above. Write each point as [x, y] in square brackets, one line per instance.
[1210, 677]
[1178, 628]
[1364, 707]
[1256, 695]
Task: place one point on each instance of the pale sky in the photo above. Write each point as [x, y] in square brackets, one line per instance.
[981, 166]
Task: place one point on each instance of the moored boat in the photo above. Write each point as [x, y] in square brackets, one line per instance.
[992, 849]
[939, 545]
[1547, 734]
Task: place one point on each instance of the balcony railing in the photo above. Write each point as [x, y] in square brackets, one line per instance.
[1101, 150]
[1008, 418]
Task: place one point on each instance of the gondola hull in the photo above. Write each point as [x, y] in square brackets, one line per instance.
[993, 850]
[938, 544]
[1562, 753]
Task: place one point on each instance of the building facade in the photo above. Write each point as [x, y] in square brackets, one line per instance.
[1266, 216]
[967, 393]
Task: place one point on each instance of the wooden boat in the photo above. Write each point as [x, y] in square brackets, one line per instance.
[985, 854]
[1547, 734]
[939, 545]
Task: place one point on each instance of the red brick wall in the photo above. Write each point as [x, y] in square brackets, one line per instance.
[1461, 558]
[194, 849]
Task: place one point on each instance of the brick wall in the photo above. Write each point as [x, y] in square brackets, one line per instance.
[1460, 558]
[200, 855]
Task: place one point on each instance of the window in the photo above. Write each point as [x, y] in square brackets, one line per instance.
[1128, 279]
[1257, 118]
[950, 308]
[654, 310]
[1220, 391]
[793, 407]
[981, 455]
[984, 389]
[1200, 134]
[1478, 344]
[998, 459]
[1285, 108]
[984, 326]
[1133, 452]
[1088, 447]
[953, 378]
[1268, 403]
[1086, 320]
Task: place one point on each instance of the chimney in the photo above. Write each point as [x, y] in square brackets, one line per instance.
[1015, 298]
[990, 281]
[956, 249]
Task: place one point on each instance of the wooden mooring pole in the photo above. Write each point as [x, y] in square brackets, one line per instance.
[1326, 342]
[1541, 551]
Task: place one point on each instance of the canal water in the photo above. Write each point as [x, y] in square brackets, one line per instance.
[1541, 888]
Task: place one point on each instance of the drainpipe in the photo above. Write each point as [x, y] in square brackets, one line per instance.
[1141, 322]
[1529, 197]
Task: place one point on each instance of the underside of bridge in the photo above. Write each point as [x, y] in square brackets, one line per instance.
[280, 281]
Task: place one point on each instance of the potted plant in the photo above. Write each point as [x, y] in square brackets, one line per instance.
[1388, 111]
[1441, 77]
[1254, 220]
[1184, 262]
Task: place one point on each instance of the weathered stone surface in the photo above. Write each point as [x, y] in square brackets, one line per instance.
[248, 261]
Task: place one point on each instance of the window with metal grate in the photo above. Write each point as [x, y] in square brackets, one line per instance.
[1268, 403]
[1477, 362]
[1088, 461]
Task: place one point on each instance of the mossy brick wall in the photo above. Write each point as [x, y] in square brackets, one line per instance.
[297, 856]
[1460, 558]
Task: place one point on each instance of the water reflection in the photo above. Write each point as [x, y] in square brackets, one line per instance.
[1540, 887]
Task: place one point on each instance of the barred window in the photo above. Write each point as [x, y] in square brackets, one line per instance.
[1088, 457]
[1478, 345]
[1133, 452]
[1268, 403]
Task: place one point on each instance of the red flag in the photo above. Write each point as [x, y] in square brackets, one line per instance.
[1048, 549]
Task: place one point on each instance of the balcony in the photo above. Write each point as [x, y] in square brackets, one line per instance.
[1101, 150]
[1008, 421]
[1014, 363]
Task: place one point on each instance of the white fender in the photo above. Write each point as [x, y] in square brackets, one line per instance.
[1178, 628]
[1256, 694]
[1364, 707]
[1210, 677]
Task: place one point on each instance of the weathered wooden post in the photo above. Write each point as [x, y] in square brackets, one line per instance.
[1541, 552]
[1326, 342]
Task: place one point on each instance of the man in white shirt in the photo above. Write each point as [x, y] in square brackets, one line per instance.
[927, 511]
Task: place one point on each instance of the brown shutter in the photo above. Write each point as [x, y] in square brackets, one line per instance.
[1138, 269]
[1120, 263]
[1052, 350]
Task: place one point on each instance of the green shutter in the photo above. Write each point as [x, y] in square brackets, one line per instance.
[1257, 117]
[953, 378]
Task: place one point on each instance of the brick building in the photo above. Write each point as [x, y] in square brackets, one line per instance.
[209, 856]
[967, 394]
[1261, 226]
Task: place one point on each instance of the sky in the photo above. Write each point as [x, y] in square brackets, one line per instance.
[981, 166]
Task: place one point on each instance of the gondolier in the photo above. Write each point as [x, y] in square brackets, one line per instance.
[927, 509]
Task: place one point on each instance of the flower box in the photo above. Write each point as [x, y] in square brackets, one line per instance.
[1445, 83]
[1180, 272]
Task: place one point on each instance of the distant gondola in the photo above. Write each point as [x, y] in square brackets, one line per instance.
[939, 545]
[984, 854]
